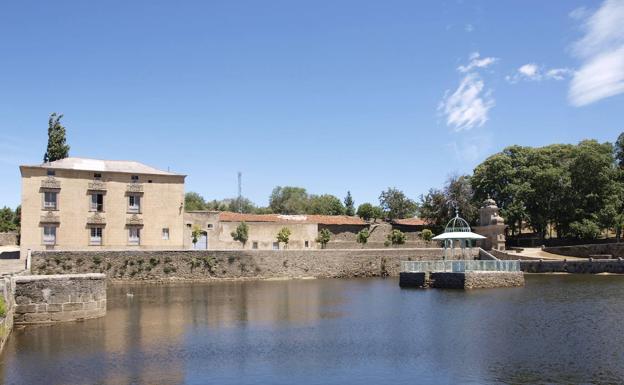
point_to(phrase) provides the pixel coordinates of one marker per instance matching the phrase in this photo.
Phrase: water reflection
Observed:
(559, 329)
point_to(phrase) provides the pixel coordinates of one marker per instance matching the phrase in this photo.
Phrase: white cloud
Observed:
(476, 61)
(468, 28)
(601, 50)
(469, 105)
(533, 72)
(529, 70)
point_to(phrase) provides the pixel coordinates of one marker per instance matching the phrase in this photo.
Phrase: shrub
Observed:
(2, 307)
(167, 270)
(362, 236)
(427, 235)
(397, 237)
(154, 261)
(386, 243)
(194, 262)
(284, 235)
(210, 263)
(97, 260)
(79, 261)
(168, 260)
(323, 237)
(585, 229)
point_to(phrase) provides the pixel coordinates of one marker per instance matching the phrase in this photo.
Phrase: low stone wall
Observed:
(477, 280)
(59, 298)
(509, 255)
(231, 264)
(595, 266)
(616, 250)
(345, 245)
(6, 319)
(8, 239)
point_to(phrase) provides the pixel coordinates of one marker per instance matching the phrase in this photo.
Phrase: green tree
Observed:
(619, 150)
(377, 213)
(459, 194)
(324, 236)
(196, 233)
(349, 205)
(324, 205)
(365, 211)
(194, 202)
(426, 235)
(263, 210)
(434, 209)
(57, 146)
(7, 220)
(241, 233)
(397, 237)
(396, 204)
(283, 236)
(241, 205)
(362, 236)
(288, 200)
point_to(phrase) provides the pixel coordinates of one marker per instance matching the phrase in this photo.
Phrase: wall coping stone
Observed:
(59, 277)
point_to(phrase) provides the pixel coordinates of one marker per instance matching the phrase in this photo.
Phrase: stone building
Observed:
(491, 226)
(216, 228)
(80, 204)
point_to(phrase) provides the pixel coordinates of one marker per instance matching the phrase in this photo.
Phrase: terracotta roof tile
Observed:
(409, 222)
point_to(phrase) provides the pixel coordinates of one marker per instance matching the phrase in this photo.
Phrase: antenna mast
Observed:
(240, 192)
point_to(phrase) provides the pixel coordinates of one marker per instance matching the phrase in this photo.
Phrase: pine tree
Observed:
(349, 204)
(57, 146)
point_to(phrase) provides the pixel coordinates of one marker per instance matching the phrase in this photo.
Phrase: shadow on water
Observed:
(558, 329)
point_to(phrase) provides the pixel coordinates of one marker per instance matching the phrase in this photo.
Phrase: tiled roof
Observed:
(409, 222)
(226, 216)
(86, 164)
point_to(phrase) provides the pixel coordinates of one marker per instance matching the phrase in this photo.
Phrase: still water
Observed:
(558, 329)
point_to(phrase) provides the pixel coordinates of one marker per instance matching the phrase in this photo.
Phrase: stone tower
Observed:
(491, 226)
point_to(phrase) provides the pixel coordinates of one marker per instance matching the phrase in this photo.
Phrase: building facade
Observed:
(78, 203)
(491, 226)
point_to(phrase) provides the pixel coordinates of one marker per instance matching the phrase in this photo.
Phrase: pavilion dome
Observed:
(457, 224)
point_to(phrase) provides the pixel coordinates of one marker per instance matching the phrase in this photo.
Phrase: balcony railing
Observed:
(51, 183)
(134, 188)
(97, 185)
(458, 266)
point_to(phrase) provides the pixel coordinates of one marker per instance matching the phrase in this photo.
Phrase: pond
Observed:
(560, 329)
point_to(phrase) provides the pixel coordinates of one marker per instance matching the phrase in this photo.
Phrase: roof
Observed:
(409, 222)
(458, 235)
(87, 164)
(226, 216)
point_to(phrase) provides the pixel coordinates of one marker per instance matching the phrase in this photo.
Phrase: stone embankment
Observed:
(615, 250)
(59, 298)
(231, 264)
(589, 266)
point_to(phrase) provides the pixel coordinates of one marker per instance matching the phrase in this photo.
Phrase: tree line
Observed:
(560, 190)
(290, 200)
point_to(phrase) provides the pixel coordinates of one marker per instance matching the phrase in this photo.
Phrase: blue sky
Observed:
(328, 95)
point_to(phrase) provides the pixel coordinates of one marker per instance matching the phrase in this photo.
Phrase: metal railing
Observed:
(458, 266)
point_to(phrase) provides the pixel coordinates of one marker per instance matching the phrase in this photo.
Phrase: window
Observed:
(134, 236)
(96, 236)
(165, 234)
(49, 200)
(188, 225)
(49, 235)
(209, 225)
(97, 176)
(307, 244)
(134, 178)
(275, 245)
(134, 204)
(97, 202)
(254, 245)
(149, 181)
(51, 173)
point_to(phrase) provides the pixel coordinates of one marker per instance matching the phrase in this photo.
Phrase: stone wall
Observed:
(8, 239)
(614, 249)
(6, 320)
(59, 298)
(509, 255)
(477, 280)
(230, 264)
(595, 266)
